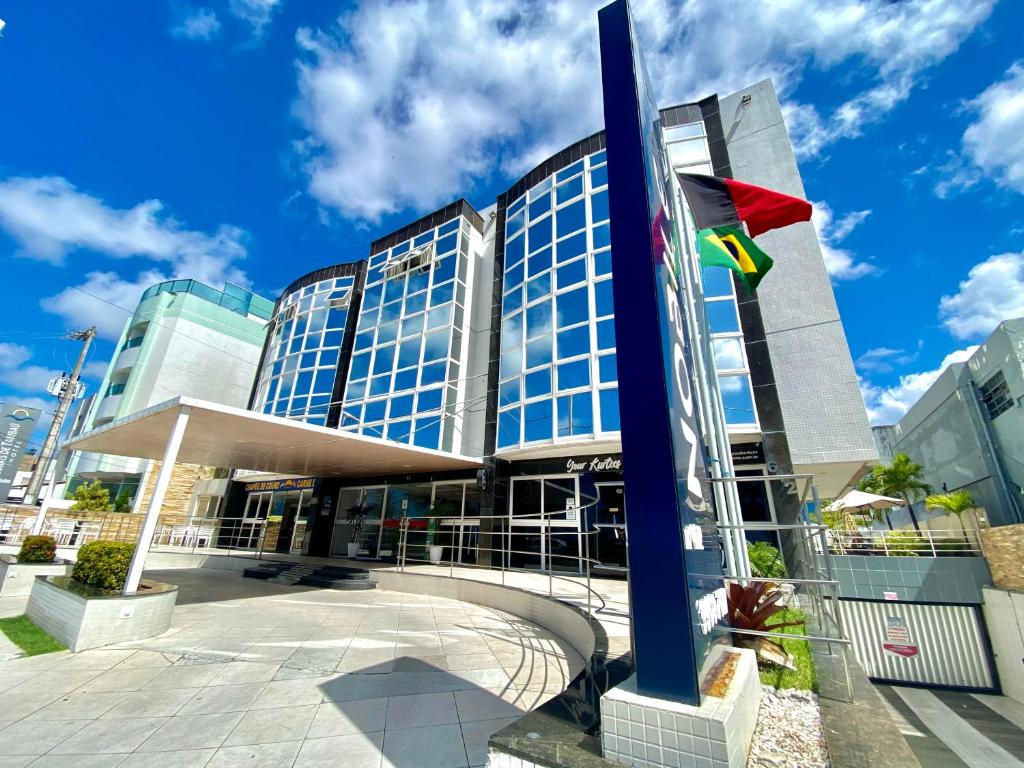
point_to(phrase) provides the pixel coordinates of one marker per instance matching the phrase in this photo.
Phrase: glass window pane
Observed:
(511, 363)
(737, 399)
(728, 354)
(572, 247)
(599, 206)
(406, 379)
(571, 218)
(436, 346)
(540, 261)
(717, 281)
(440, 294)
(568, 171)
(512, 331)
(571, 375)
(427, 433)
(514, 223)
(446, 244)
(572, 273)
(439, 316)
(432, 374)
(685, 152)
(540, 234)
(722, 316)
(387, 332)
(575, 415)
(515, 249)
(375, 410)
(400, 406)
(508, 428)
(539, 207)
(602, 239)
(324, 381)
(538, 319)
(444, 270)
(416, 303)
(603, 301)
(514, 277)
(412, 326)
(538, 383)
(607, 370)
(409, 353)
(538, 421)
(538, 287)
(538, 352)
(609, 409)
(360, 366)
(574, 342)
(508, 392)
(512, 301)
(602, 263)
(599, 176)
(688, 131)
(428, 400)
(380, 385)
(569, 190)
(398, 431)
(572, 307)
(393, 289)
(606, 334)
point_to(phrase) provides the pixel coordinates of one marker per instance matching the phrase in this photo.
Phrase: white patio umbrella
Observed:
(861, 501)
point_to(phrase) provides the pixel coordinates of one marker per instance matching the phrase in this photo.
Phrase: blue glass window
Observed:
(508, 392)
(572, 273)
(569, 190)
(332, 339)
(406, 379)
(538, 421)
(393, 289)
(398, 431)
(512, 331)
(603, 301)
(432, 374)
(716, 281)
(439, 316)
(324, 381)
(539, 207)
(538, 383)
(390, 312)
(540, 235)
(722, 316)
(737, 399)
(412, 326)
(602, 239)
(572, 247)
(574, 342)
(508, 428)
(572, 307)
(514, 223)
(409, 353)
(607, 370)
(599, 206)
(572, 375)
(602, 263)
(303, 382)
(371, 296)
(329, 357)
(307, 360)
(384, 360)
(511, 363)
(538, 287)
(444, 270)
(416, 303)
(599, 176)
(375, 410)
(428, 400)
(419, 280)
(609, 410)
(380, 385)
(606, 334)
(355, 390)
(440, 294)
(575, 415)
(447, 227)
(538, 352)
(515, 250)
(436, 346)
(538, 319)
(568, 171)
(512, 301)
(537, 263)
(446, 244)
(427, 432)
(400, 406)
(571, 218)
(360, 366)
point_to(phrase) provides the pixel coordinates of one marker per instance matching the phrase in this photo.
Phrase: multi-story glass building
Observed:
(492, 335)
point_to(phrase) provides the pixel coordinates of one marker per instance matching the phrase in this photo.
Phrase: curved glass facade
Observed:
(557, 374)
(301, 361)
(410, 344)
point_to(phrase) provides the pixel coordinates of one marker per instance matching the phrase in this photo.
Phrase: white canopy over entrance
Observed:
(199, 432)
(222, 436)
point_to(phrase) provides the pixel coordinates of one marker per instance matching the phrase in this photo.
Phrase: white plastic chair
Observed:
(62, 530)
(89, 531)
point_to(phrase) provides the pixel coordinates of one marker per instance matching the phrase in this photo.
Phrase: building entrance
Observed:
(610, 522)
(545, 523)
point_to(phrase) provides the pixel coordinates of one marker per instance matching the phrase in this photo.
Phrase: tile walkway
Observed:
(260, 675)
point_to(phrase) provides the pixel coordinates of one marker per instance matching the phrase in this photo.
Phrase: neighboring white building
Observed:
(185, 338)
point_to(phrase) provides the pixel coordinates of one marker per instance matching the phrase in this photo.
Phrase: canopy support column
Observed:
(156, 501)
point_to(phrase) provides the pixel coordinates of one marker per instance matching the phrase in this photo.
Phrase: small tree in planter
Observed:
(37, 549)
(356, 517)
(123, 502)
(442, 508)
(91, 497)
(104, 564)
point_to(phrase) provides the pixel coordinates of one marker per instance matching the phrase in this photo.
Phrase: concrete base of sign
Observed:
(643, 731)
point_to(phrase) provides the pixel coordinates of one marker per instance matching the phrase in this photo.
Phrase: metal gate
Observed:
(925, 643)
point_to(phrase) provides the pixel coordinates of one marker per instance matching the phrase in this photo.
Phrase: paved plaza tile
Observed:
(267, 675)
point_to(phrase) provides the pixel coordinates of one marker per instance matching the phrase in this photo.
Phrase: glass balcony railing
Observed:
(233, 298)
(135, 341)
(115, 389)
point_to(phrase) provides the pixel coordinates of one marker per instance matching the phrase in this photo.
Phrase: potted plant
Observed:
(356, 517)
(442, 508)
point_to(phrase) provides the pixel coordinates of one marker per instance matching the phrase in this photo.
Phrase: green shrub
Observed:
(37, 549)
(123, 502)
(765, 560)
(104, 564)
(91, 497)
(905, 544)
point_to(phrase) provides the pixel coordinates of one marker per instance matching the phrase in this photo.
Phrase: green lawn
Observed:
(27, 636)
(803, 678)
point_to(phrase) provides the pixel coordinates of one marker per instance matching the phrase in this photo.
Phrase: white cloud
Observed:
(884, 360)
(197, 24)
(995, 140)
(992, 292)
(256, 13)
(405, 102)
(50, 220)
(840, 262)
(16, 374)
(95, 369)
(886, 405)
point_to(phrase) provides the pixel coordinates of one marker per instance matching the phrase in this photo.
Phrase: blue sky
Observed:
(254, 140)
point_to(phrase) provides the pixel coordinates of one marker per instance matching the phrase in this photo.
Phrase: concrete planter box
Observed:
(82, 617)
(17, 578)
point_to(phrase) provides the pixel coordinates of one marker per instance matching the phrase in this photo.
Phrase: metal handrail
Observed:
(939, 543)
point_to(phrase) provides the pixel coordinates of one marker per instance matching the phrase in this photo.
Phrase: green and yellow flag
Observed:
(729, 247)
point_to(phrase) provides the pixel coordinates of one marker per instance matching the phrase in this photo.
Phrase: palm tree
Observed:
(953, 503)
(903, 479)
(872, 483)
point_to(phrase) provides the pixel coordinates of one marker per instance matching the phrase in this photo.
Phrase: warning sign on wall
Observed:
(897, 638)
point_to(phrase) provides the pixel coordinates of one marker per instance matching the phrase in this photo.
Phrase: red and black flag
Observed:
(717, 202)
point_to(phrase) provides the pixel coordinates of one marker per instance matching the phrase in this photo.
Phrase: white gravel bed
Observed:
(789, 733)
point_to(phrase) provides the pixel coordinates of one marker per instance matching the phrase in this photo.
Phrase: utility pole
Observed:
(67, 396)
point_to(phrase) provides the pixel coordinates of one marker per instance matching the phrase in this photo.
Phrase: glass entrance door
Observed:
(257, 507)
(610, 522)
(545, 523)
